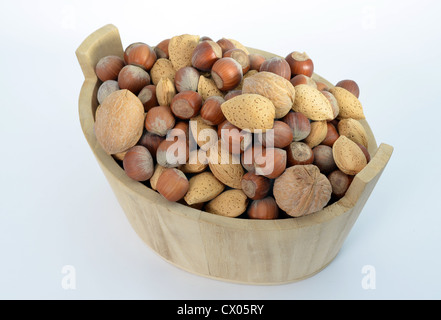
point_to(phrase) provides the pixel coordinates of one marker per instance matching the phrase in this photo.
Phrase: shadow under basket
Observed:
(231, 249)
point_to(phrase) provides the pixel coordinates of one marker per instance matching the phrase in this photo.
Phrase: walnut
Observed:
(302, 190)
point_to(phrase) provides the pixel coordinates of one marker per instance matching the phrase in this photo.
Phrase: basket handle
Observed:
(104, 41)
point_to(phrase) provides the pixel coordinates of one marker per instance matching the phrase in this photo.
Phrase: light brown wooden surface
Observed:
(237, 250)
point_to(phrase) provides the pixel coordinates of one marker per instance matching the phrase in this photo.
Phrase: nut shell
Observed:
(348, 156)
(349, 105)
(250, 111)
(274, 87)
(302, 190)
(312, 103)
(230, 203)
(163, 68)
(203, 187)
(180, 50)
(119, 121)
(354, 130)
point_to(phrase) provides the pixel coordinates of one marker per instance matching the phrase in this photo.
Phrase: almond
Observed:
(250, 111)
(225, 166)
(163, 68)
(165, 91)
(319, 129)
(312, 103)
(156, 174)
(119, 121)
(203, 187)
(204, 134)
(354, 130)
(180, 50)
(349, 105)
(348, 156)
(194, 164)
(230, 203)
(207, 88)
(276, 88)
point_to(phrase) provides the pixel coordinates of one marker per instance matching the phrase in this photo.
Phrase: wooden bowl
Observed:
(231, 249)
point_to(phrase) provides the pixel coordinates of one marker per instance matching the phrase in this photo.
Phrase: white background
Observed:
(57, 209)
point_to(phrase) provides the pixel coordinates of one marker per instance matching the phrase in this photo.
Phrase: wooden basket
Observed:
(237, 250)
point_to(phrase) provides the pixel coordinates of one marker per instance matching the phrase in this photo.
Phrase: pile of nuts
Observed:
(215, 127)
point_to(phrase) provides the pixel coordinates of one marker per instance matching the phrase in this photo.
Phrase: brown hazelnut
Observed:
(187, 78)
(351, 86)
(278, 66)
(172, 184)
(232, 93)
(141, 55)
(151, 141)
(159, 120)
(148, 97)
(241, 57)
(255, 186)
(186, 104)
(161, 49)
(211, 111)
(300, 63)
(256, 61)
(106, 88)
(129, 47)
(299, 153)
(138, 163)
(324, 159)
(321, 86)
(340, 183)
(264, 209)
(205, 55)
(302, 79)
(226, 73)
(331, 135)
(299, 124)
(109, 67)
(271, 163)
(225, 45)
(133, 78)
(282, 135)
(173, 153)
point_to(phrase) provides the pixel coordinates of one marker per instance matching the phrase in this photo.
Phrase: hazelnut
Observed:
(205, 55)
(331, 135)
(133, 78)
(340, 183)
(324, 159)
(299, 124)
(351, 86)
(161, 49)
(129, 47)
(302, 79)
(241, 57)
(141, 55)
(255, 186)
(333, 101)
(109, 67)
(151, 141)
(211, 111)
(256, 61)
(299, 153)
(232, 93)
(235, 139)
(321, 86)
(281, 135)
(172, 184)
(187, 78)
(225, 45)
(300, 63)
(148, 97)
(186, 104)
(159, 120)
(173, 153)
(278, 66)
(106, 88)
(226, 73)
(138, 163)
(271, 163)
(264, 209)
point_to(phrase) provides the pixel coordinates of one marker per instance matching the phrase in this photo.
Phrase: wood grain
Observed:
(237, 250)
